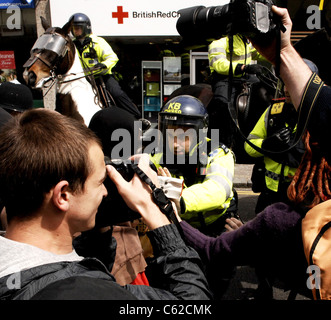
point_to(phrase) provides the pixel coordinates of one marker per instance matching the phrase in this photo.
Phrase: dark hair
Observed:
(38, 149)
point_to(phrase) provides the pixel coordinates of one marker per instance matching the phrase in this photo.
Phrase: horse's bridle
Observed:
(58, 44)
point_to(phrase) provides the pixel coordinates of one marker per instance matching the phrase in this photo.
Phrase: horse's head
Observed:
(52, 54)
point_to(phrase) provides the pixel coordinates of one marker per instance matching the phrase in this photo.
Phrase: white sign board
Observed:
(127, 17)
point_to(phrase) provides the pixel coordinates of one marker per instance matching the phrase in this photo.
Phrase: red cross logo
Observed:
(120, 14)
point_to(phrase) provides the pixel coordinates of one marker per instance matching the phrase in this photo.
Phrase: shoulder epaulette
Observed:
(225, 148)
(277, 108)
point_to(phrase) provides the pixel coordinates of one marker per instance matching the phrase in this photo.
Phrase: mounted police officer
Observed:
(95, 52)
(275, 131)
(208, 197)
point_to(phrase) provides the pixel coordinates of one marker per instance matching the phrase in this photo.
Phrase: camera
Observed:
(113, 209)
(251, 18)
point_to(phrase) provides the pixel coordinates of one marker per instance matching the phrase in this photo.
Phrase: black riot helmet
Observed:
(81, 19)
(182, 111)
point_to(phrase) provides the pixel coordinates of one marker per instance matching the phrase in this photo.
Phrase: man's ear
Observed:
(61, 195)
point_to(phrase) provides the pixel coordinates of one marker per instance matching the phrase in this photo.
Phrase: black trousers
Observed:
(121, 99)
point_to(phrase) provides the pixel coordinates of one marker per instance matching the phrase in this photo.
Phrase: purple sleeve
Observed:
(273, 231)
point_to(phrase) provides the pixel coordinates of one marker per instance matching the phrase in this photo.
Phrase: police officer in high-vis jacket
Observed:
(275, 131)
(242, 56)
(95, 52)
(207, 170)
(231, 69)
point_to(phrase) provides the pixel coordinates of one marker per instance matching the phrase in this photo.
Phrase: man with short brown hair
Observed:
(52, 171)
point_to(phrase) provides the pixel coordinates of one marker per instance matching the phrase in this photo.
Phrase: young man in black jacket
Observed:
(52, 171)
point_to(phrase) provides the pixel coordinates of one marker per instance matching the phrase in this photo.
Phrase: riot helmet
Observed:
(186, 117)
(184, 110)
(82, 20)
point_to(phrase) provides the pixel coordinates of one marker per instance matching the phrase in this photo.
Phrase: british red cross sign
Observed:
(7, 60)
(128, 17)
(120, 15)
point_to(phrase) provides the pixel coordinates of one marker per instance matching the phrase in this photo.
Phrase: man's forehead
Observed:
(96, 155)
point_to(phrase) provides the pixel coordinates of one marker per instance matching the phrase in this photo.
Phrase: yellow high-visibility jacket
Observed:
(273, 168)
(213, 195)
(219, 55)
(98, 51)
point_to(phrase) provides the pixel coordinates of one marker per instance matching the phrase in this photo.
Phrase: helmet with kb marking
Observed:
(184, 110)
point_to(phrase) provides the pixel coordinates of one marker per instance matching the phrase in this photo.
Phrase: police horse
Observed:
(55, 61)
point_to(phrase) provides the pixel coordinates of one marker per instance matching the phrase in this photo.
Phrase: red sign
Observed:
(7, 60)
(120, 15)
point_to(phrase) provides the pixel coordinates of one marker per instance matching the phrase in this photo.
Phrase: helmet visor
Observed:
(180, 135)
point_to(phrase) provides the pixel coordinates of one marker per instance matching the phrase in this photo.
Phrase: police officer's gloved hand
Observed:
(278, 141)
(253, 69)
(100, 66)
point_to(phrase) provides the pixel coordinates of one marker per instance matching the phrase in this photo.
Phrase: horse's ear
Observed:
(44, 23)
(67, 27)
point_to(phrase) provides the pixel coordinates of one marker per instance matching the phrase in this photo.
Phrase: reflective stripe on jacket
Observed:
(219, 54)
(104, 54)
(213, 195)
(273, 168)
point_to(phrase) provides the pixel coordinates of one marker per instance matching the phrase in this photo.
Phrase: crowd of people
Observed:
(65, 237)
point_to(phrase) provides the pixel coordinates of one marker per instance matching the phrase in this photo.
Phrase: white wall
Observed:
(140, 21)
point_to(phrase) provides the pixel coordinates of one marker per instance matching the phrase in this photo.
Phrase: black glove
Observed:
(278, 141)
(253, 69)
(100, 66)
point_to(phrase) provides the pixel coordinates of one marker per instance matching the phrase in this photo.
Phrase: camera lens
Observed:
(200, 24)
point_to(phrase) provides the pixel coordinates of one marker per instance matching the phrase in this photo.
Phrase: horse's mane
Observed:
(67, 106)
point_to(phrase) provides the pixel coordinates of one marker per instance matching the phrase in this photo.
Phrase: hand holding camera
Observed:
(269, 51)
(137, 194)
